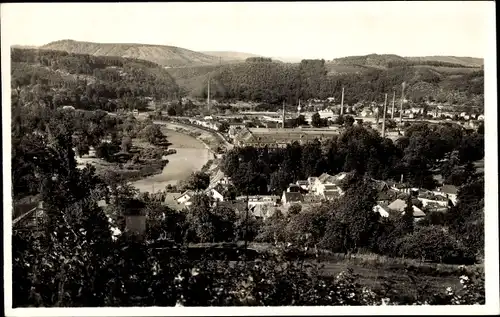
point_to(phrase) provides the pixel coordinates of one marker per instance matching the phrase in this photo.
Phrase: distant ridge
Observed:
(230, 55)
(170, 56)
(466, 61)
(387, 60)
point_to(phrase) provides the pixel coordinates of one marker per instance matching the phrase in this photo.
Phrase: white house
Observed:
(215, 193)
(303, 184)
(399, 205)
(448, 191)
(382, 209)
(290, 197)
(429, 198)
(185, 198)
(480, 117)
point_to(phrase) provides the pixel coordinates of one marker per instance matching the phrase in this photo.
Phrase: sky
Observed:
(282, 29)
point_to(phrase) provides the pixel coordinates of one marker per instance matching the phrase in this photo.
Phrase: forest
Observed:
(271, 82)
(88, 82)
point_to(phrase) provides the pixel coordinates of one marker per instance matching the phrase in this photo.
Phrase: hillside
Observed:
(229, 56)
(170, 56)
(272, 82)
(465, 61)
(89, 82)
(372, 60)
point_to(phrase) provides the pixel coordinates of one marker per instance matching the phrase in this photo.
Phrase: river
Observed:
(191, 155)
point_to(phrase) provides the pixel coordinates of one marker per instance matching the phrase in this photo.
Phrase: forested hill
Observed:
(273, 82)
(170, 56)
(88, 82)
(391, 60)
(465, 61)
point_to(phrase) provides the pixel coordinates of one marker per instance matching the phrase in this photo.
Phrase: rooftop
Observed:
(293, 197)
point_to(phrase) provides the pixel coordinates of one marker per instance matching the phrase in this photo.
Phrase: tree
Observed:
(171, 111)
(224, 127)
(348, 121)
(126, 144)
(354, 221)
(294, 209)
(406, 222)
(316, 120)
(152, 133)
(197, 181)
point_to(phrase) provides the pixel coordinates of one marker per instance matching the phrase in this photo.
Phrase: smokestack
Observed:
(393, 103)
(383, 120)
(342, 103)
(208, 93)
(402, 100)
(283, 119)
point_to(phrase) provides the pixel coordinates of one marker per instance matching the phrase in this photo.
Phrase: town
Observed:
(156, 175)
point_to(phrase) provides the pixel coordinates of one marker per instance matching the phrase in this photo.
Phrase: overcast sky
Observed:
(294, 29)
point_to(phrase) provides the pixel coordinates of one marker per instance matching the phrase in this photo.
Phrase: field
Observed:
(374, 270)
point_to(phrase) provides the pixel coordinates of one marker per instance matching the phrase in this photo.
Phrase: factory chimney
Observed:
(393, 103)
(383, 118)
(402, 100)
(342, 103)
(208, 94)
(283, 118)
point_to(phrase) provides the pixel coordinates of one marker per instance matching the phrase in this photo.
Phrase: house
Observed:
(303, 184)
(386, 197)
(135, 216)
(366, 112)
(268, 200)
(216, 193)
(185, 198)
(290, 198)
(480, 117)
(331, 194)
(402, 187)
(399, 205)
(293, 188)
(326, 182)
(382, 209)
(448, 191)
(430, 199)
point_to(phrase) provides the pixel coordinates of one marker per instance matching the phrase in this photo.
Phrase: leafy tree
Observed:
(224, 127)
(348, 120)
(316, 120)
(197, 181)
(126, 144)
(294, 209)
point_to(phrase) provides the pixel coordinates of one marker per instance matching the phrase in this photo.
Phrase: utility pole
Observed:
(342, 103)
(402, 100)
(393, 103)
(383, 118)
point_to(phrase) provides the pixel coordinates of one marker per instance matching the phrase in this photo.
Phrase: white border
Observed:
(491, 220)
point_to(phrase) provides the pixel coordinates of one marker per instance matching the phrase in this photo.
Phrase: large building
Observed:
(260, 137)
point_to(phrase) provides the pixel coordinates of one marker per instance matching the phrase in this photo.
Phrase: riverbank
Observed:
(192, 154)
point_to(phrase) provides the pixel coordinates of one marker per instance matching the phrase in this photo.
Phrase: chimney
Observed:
(342, 103)
(383, 119)
(402, 100)
(283, 118)
(208, 93)
(393, 103)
